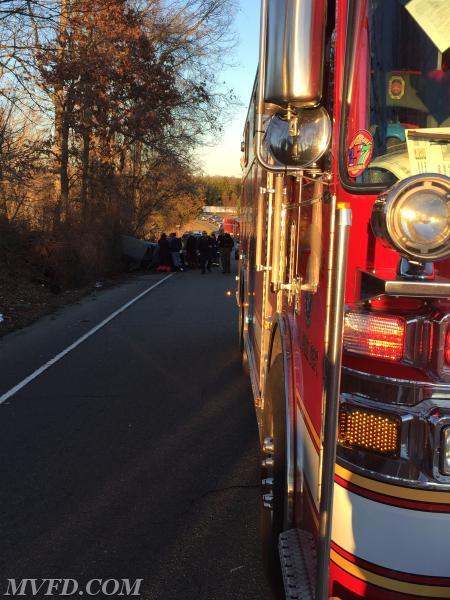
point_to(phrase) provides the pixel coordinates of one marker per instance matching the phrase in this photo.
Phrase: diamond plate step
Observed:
(298, 564)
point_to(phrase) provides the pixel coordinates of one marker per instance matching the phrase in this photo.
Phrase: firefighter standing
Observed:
(191, 251)
(175, 248)
(214, 250)
(225, 243)
(204, 246)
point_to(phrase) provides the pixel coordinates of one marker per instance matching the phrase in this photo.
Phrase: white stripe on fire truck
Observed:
(400, 539)
(307, 457)
(308, 421)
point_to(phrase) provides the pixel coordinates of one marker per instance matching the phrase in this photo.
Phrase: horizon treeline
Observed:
(221, 190)
(102, 106)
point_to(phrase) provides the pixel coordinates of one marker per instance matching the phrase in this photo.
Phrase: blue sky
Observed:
(223, 159)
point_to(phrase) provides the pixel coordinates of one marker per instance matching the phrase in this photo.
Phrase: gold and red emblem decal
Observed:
(359, 152)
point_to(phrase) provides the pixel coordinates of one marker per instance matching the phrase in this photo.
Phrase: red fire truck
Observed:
(231, 226)
(343, 293)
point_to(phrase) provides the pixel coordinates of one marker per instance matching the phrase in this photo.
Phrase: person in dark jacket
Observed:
(165, 257)
(204, 246)
(191, 251)
(225, 243)
(175, 247)
(214, 251)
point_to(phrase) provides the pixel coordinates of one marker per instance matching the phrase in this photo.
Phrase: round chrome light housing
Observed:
(413, 217)
(300, 141)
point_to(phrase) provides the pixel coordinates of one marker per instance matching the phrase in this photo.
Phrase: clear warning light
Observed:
(377, 336)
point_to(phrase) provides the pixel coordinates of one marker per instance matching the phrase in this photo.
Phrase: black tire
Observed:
(273, 521)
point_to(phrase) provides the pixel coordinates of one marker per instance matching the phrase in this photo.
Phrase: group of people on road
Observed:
(192, 251)
(170, 253)
(210, 248)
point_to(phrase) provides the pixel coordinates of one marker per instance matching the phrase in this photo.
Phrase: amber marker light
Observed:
(228, 292)
(377, 336)
(376, 432)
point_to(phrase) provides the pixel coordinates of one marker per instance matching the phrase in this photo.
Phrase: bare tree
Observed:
(102, 105)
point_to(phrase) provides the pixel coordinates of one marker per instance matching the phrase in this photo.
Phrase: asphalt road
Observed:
(136, 455)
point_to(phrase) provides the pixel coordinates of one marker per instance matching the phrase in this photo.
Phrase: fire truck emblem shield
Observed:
(359, 152)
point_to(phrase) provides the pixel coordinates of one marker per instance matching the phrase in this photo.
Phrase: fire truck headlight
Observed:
(413, 217)
(446, 451)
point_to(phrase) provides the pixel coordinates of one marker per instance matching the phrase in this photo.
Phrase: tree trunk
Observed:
(85, 171)
(61, 141)
(3, 205)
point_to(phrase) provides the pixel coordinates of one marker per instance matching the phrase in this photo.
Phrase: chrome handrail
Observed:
(332, 379)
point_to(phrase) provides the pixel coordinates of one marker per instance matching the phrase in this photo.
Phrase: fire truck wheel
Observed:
(274, 469)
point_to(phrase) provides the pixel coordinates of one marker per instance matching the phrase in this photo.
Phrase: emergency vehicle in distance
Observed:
(231, 226)
(343, 293)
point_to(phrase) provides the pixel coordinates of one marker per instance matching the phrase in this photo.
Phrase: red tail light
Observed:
(377, 336)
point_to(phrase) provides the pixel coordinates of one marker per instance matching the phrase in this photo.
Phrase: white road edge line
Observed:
(79, 341)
